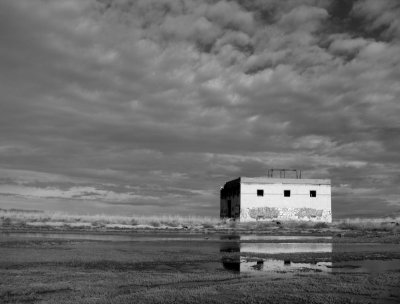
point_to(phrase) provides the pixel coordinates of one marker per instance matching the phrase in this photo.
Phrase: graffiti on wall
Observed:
(263, 213)
(308, 212)
(271, 213)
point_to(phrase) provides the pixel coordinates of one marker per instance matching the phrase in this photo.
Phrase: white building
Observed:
(267, 198)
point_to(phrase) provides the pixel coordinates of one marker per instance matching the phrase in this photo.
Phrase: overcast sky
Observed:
(149, 106)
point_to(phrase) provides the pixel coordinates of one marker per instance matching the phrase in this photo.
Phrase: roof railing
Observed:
(282, 172)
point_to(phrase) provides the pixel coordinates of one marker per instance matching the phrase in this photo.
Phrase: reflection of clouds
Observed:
(271, 265)
(249, 262)
(242, 257)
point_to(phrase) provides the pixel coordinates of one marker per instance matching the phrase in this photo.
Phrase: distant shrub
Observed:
(98, 224)
(232, 224)
(134, 222)
(303, 224)
(208, 225)
(265, 224)
(347, 226)
(296, 224)
(364, 224)
(6, 222)
(321, 225)
(247, 225)
(173, 223)
(155, 223)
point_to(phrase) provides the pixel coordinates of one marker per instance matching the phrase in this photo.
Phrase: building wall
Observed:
(230, 193)
(274, 206)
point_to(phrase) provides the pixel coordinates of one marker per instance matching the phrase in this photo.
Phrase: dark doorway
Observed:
(229, 208)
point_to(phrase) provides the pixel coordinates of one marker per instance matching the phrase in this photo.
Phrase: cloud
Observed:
(381, 16)
(161, 102)
(303, 18)
(348, 45)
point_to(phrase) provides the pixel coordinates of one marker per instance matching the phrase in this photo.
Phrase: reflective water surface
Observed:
(261, 266)
(246, 253)
(250, 265)
(251, 261)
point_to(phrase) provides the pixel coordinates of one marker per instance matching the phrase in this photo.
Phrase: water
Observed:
(251, 261)
(250, 265)
(246, 253)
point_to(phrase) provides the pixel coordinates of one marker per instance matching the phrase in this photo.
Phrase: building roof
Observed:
(270, 180)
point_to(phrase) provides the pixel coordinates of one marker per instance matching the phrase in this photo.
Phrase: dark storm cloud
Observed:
(152, 105)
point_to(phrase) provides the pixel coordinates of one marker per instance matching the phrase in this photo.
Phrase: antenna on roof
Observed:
(282, 172)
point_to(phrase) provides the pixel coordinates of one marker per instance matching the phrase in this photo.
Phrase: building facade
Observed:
(266, 198)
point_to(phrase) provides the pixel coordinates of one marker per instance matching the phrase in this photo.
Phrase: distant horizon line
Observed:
(394, 215)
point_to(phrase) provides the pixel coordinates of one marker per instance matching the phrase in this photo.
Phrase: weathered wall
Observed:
(274, 206)
(230, 192)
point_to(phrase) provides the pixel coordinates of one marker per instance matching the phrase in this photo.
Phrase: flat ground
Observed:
(189, 268)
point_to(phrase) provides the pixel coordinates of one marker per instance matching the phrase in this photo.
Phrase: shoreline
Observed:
(336, 236)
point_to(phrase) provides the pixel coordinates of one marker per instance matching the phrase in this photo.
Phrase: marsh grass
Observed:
(366, 224)
(21, 218)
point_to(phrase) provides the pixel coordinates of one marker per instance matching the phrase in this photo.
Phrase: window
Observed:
(286, 193)
(260, 192)
(313, 193)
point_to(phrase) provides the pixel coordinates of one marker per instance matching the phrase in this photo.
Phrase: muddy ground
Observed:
(192, 268)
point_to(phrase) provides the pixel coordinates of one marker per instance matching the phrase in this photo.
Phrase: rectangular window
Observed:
(260, 192)
(286, 193)
(313, 193)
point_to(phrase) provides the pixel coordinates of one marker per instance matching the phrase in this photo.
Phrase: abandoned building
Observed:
(277, 198)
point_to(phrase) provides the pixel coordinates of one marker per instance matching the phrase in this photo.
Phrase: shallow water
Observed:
(241, 253)
(250, 260)
(249, 265)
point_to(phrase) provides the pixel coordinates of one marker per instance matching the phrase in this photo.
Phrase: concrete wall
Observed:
(274, 206)
(230, 193)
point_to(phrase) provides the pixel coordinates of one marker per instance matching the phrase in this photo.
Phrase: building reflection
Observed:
(240, 255)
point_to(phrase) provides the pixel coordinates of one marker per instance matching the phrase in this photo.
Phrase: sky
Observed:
(148, 107)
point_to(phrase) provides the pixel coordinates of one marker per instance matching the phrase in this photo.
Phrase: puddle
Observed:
(369, 266)
(249, 250)
(249, 265)
(274, 248)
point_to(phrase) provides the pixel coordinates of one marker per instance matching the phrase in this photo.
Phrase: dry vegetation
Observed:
(60, 220)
